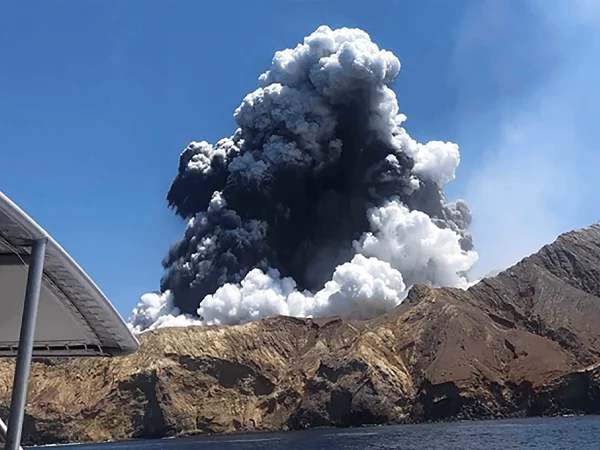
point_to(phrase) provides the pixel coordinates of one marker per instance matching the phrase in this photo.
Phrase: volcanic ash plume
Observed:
(319, 204)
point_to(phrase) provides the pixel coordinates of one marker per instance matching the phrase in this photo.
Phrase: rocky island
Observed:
(522, 343)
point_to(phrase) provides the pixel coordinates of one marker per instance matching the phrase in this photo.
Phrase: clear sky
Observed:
(98, 98)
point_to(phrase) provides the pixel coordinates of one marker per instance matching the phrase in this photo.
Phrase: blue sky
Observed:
(98, 98)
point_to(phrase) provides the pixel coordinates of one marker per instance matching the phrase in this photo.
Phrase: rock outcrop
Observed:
(525, 342)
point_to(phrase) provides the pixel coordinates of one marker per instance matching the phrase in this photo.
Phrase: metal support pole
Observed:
(3, 432)
(25, 349)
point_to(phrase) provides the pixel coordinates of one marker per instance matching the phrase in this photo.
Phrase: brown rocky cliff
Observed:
(521, 343)
(216, 379)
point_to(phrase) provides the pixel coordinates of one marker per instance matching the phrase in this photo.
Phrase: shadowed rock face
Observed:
(525, 342)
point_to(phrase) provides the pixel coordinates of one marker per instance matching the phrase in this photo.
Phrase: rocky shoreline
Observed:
(523, 343)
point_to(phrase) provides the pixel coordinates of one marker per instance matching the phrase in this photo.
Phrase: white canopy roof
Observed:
(74, 316)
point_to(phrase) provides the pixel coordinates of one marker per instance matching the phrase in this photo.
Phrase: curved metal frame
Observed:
(49, 263)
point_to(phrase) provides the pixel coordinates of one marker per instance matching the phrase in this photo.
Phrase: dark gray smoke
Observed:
(319, 172)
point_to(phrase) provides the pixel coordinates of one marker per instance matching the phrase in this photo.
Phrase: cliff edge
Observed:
(525, 342)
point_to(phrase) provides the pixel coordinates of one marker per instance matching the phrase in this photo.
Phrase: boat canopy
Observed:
(49, 307)
(74, 317)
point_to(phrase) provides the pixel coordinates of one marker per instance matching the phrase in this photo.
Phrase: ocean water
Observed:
(563, 433)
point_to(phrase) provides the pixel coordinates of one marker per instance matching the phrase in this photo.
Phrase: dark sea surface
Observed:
(580, 433)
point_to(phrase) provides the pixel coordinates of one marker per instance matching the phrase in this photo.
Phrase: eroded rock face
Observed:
(525, 342)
